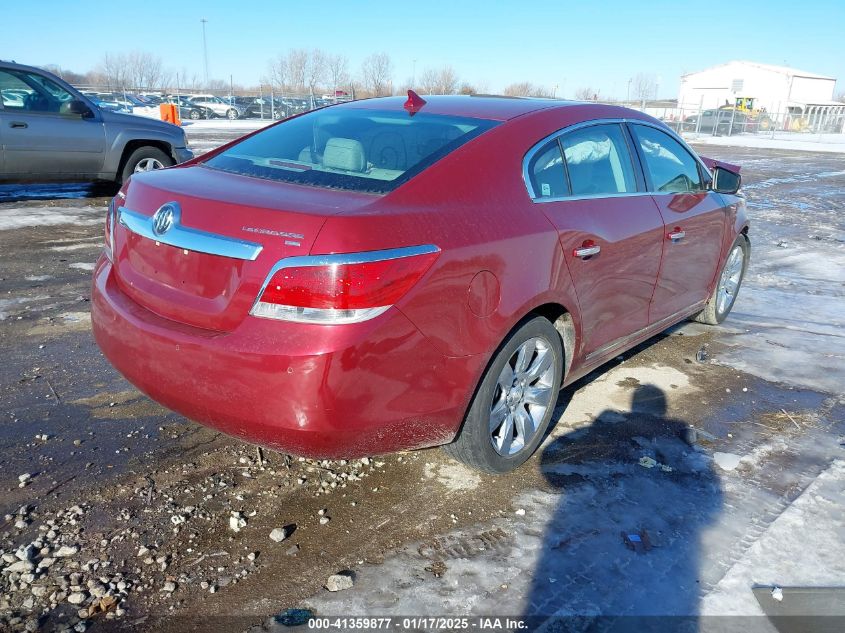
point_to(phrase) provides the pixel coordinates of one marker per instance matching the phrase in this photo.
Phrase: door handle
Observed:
(676, 234)
(587, 249)
(18, 124)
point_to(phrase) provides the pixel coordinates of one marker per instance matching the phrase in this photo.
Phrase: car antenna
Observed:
(414, 103)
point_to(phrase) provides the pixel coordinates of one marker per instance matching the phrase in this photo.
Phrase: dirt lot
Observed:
(142, 520)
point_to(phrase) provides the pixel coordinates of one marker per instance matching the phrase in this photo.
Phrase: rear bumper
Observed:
(321, 391)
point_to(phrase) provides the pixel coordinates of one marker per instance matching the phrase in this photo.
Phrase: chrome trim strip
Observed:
(187, 238)
(594, 196)
(343, 258)
(526, 177)
(656, 326)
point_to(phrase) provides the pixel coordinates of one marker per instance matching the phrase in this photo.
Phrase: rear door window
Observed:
(548, 176)
(669, 167)
(350, 148)
(598, 161)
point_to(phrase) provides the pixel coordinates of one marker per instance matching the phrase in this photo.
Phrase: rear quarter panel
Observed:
(474, 205)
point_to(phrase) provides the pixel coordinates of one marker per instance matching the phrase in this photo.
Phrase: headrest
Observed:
(344, 153)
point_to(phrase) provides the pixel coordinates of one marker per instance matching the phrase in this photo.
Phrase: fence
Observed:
(263, 103)
(814, 122)
(809, 122)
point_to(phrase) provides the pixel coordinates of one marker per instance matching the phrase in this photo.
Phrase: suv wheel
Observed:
(195, 114)
(513, 405)
(231, 114)
(143, 159)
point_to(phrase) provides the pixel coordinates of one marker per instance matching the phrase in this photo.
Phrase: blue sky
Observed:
(600, 44)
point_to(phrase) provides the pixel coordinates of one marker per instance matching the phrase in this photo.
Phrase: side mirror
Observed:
(77, 106)
(725, 181)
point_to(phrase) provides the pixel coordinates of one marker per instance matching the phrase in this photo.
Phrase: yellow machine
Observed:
(745, 104)
(755, 116)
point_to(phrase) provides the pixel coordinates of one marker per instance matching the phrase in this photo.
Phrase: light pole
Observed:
(414, 75)
(204, 51)
(628, 97)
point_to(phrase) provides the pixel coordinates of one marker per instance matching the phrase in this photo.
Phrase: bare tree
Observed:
(298, 69)
(338, 70)
(113, 69)
(526, 89)
(315, 70)
(467, 89)
(147, 69)
(428, 81)
(134, 70)
(441, 82)
(377, 74)
(586, 94)
(643, 86)
(278, 75)
(68, 75)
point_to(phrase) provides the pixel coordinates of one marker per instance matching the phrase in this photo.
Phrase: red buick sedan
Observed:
(387, 274)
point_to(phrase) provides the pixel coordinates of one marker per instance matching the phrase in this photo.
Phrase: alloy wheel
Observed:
(148, 164)
(522, 396)
(730, 279)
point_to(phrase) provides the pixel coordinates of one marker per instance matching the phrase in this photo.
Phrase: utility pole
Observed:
(414, 76)
(204, 51)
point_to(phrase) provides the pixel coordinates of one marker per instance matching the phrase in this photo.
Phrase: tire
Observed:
(722, 299)
(196, 115)
(490, 445)
(146, 158)
(231, 114)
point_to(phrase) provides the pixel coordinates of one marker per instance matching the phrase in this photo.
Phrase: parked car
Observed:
(262, 108)
(724, 122)
(152, 99)
(369, 277)
(188, 109)
(216, 106)
(105, 101)
(57, 133)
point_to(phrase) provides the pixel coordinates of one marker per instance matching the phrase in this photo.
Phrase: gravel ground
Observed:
(118, 514)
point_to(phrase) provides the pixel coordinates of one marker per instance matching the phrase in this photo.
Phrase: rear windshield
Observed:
(345, 148)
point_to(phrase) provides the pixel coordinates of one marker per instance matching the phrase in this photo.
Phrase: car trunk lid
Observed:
(205, 264)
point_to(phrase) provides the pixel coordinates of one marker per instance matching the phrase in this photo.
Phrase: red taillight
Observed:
(342, 288)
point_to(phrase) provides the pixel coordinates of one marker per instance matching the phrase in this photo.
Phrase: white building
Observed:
(775, 88)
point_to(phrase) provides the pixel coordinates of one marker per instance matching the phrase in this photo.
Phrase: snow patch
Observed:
(82, 266)
(452, 475)
(12, 218)
(726, 461)
(781, 556)
(74, 247)
(834, 143)
(6, 304)
(612, 392)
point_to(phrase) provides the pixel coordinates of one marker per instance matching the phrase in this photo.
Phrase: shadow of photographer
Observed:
(623, 548)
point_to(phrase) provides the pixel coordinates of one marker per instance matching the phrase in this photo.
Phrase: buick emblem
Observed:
(165, 218)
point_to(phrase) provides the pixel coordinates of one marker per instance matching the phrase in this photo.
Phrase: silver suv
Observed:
(49, 131)
(216, 106)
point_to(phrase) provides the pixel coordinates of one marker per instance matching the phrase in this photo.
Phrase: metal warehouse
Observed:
(763, 87)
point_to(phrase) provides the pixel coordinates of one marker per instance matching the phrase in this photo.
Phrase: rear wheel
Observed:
(143, 159)
(195, 114)
(724, 294)
(514, 402)
(232, 114)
